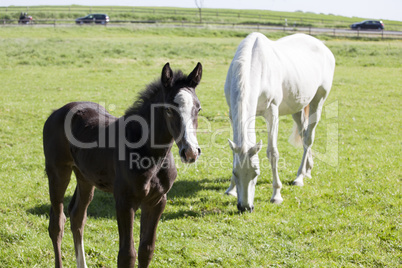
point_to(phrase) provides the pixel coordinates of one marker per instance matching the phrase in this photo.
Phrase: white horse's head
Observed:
(246, 169)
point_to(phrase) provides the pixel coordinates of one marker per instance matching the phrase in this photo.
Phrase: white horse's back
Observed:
(288, 71)
(308, 65)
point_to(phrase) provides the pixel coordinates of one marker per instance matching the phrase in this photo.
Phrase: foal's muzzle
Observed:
(190, 155)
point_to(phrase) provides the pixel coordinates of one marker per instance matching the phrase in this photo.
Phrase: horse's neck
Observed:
(243, 120)
(160, 133)
(159, 140)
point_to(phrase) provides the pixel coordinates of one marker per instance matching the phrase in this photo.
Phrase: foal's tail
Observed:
(295, 138)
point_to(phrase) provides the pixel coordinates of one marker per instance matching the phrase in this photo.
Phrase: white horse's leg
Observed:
(302, 124)
(315, 115)
(232, 188)
(272, 117)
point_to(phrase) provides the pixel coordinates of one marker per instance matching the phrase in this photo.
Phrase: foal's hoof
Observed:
(298, 183)
(276, 200)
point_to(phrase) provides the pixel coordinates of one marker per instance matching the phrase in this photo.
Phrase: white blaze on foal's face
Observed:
(187, 110)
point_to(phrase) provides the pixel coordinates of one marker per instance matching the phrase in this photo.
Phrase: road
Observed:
(313, 31)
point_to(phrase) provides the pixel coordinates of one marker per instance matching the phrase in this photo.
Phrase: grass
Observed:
(347, 215)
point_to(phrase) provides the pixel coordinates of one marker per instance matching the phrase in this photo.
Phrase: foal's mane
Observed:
(152, 94)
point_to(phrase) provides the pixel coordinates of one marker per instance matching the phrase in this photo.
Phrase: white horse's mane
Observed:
(241, 68)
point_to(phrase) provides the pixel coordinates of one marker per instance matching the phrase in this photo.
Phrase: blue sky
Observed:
(384, 9)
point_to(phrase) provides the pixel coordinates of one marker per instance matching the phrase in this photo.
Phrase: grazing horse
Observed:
(129, 156)
(271, 78)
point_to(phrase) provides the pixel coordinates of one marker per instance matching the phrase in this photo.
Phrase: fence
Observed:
(202, 15)
(211, 18)
(334, 32)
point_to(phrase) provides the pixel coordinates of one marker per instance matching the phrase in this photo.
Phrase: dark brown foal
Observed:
(129, 156)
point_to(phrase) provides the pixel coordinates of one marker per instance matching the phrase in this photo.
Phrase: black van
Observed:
(93, 18)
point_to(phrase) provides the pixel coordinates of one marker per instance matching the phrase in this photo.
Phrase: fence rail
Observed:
(334, 32)
(211, 15)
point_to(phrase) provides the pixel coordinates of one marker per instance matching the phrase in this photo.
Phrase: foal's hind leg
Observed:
(315, 115)
(78, 215)
(59, 178)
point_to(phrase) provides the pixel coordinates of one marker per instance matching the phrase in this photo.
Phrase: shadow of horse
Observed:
(103, 204)
(184, 189)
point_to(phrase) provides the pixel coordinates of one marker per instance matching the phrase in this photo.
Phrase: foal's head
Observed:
(181, 109)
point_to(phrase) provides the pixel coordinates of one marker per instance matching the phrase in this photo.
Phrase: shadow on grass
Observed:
(187, 189)
(230, 209)
(183, 188)
(103, 204)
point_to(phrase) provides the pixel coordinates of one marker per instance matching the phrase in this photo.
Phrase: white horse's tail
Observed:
(295, 138)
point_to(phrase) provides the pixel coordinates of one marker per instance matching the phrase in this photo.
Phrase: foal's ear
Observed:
(167, 76)
(194, 77)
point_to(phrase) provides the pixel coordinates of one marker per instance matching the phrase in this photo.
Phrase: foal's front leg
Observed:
(125, 210)
(150, 216)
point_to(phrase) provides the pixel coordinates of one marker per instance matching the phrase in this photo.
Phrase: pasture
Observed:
(347, 215)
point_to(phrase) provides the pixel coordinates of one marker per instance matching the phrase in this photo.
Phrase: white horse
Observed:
(271, 78)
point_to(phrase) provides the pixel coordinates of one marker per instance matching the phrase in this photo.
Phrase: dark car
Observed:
(368, 25)
(93, 18)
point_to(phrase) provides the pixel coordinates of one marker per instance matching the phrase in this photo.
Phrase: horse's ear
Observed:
(255, 149)
(194, 77)
(167, 76)
(233, 146)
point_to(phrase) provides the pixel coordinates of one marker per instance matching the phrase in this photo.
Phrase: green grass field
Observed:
(347, 215)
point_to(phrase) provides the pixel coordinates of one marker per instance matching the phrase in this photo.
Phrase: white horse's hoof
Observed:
(276, 200)
(231, 192)
(298, 183)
